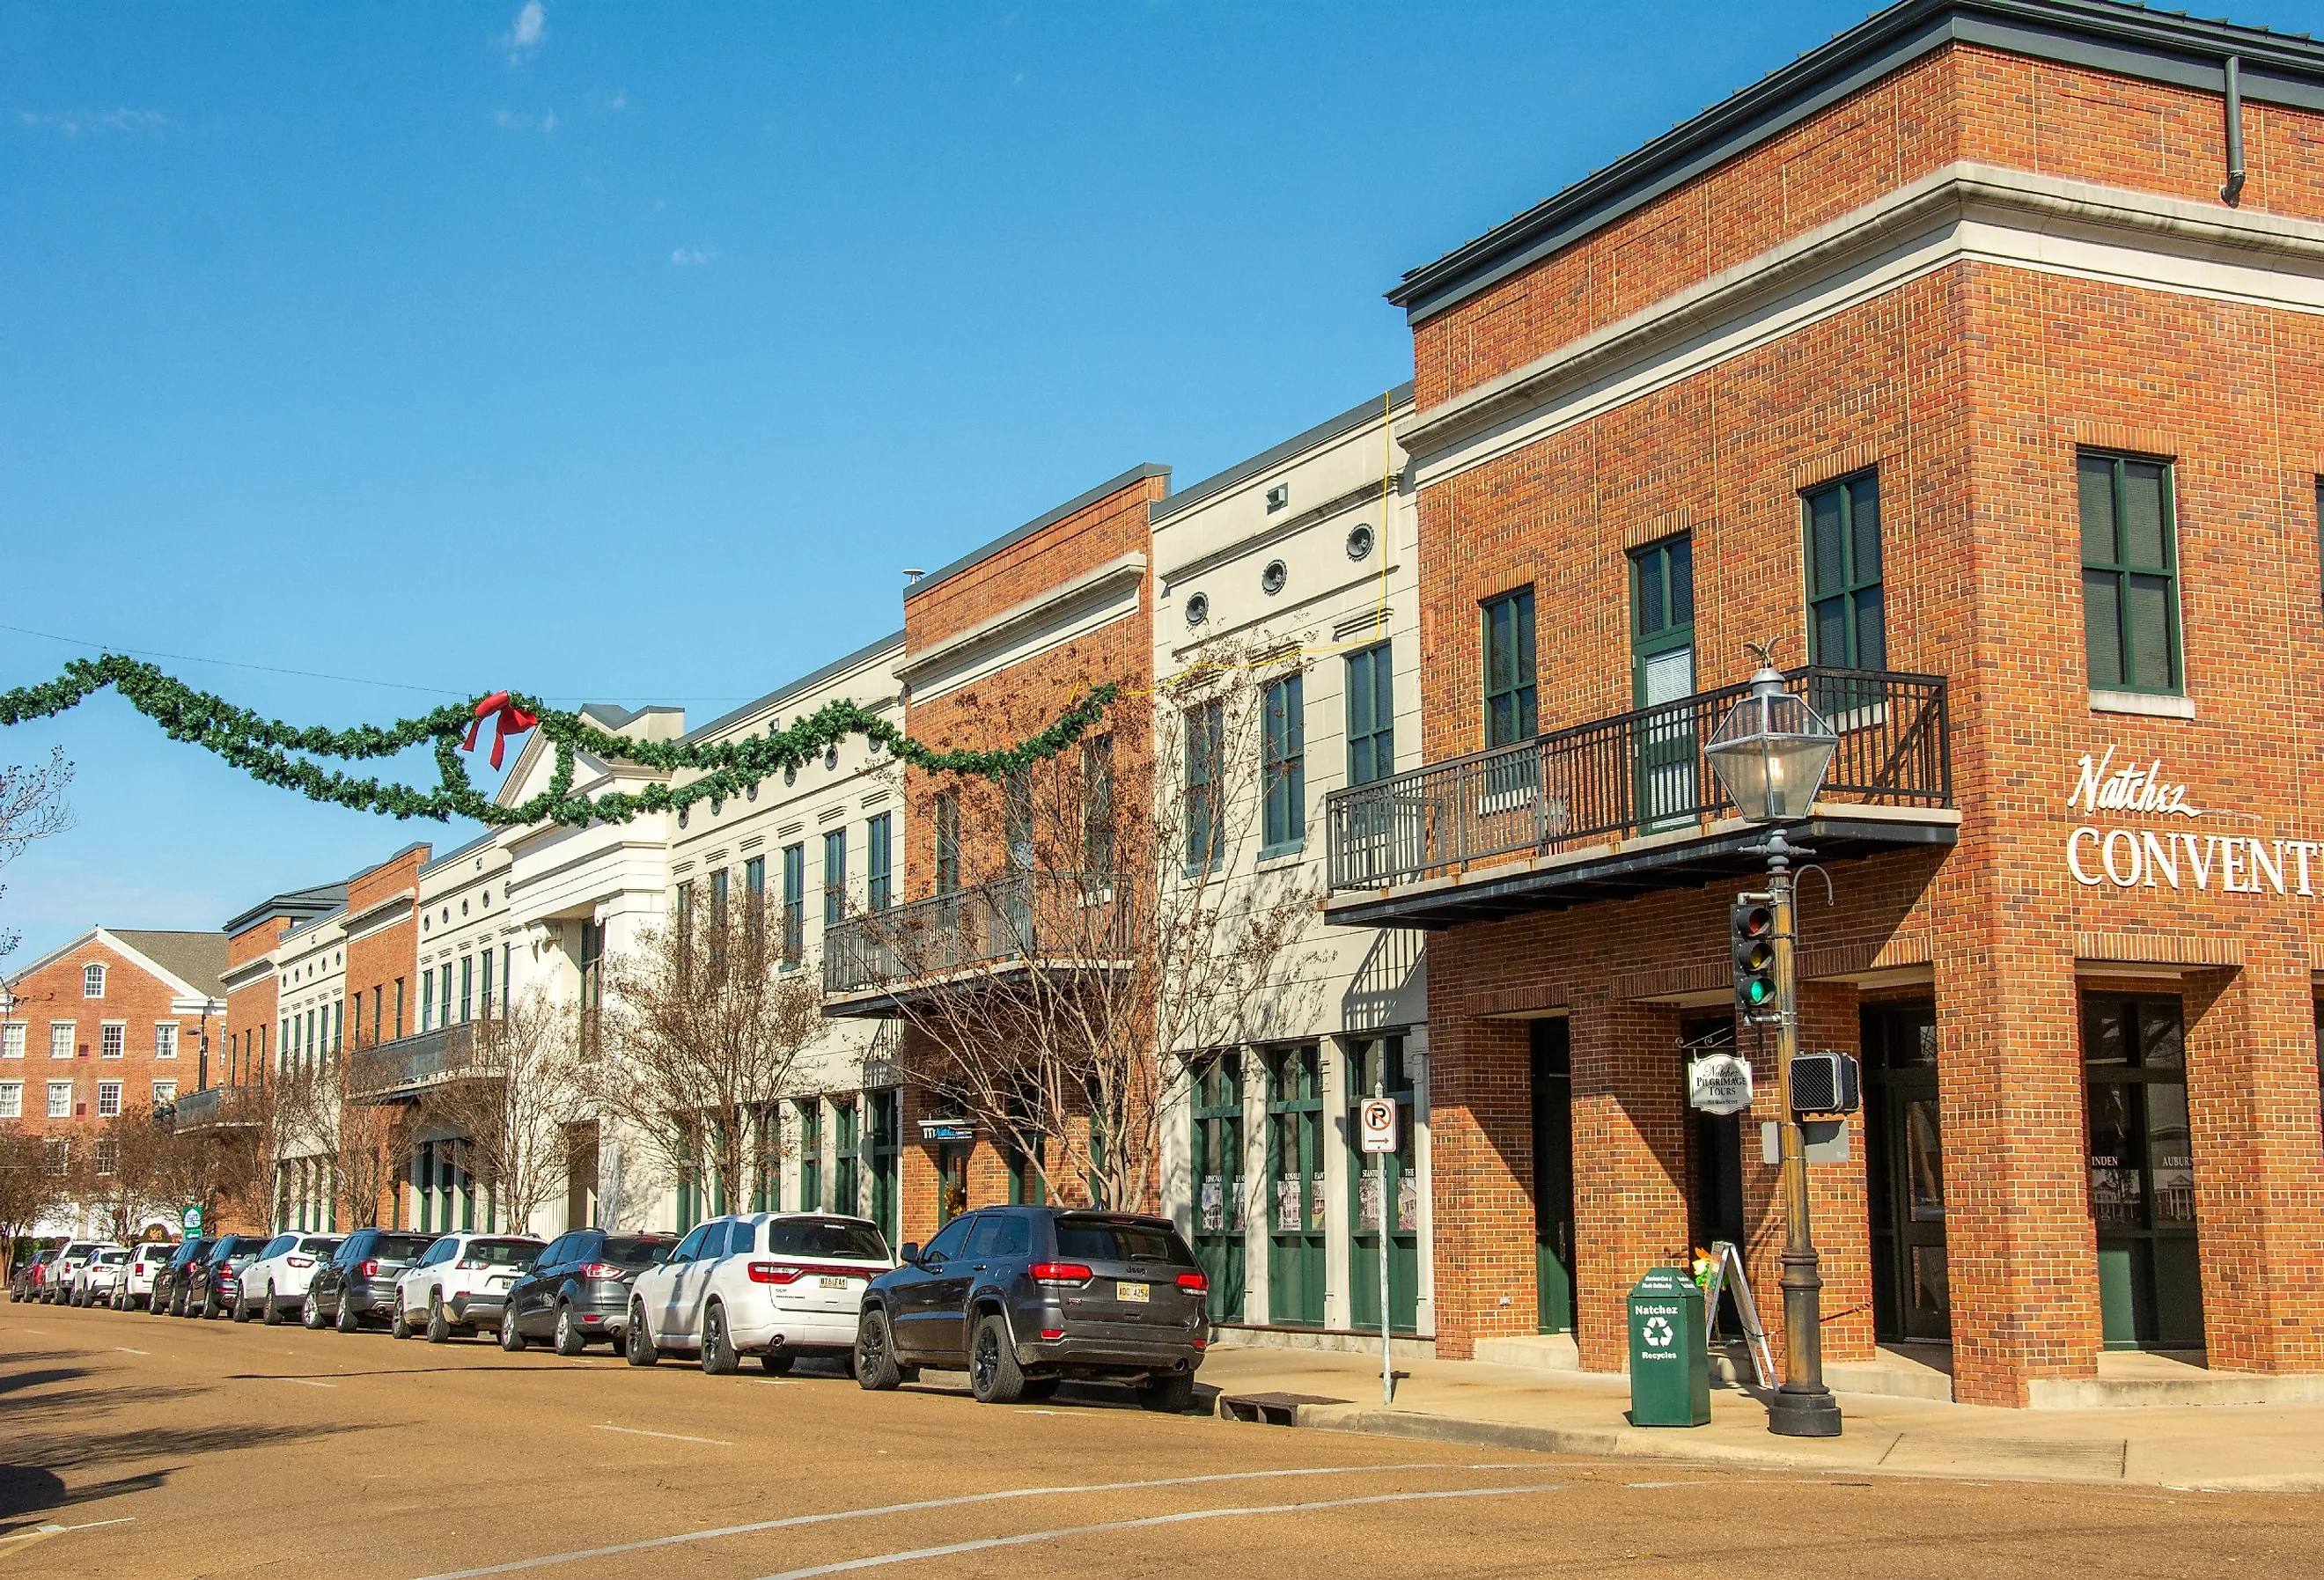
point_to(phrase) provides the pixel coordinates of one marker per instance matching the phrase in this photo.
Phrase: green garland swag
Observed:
(262, 748)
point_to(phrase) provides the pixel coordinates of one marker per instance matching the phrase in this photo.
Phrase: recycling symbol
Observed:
(1658, 1332)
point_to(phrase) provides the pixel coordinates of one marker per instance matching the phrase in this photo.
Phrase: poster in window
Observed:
(1286, 1206)
(1408, 1206)
(1368, 1202)
(1213, 1207)
(1315, 1201)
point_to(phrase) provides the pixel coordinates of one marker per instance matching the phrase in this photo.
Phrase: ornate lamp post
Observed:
(1771, 753)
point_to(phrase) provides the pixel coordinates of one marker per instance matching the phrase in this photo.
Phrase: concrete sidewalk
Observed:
(2256, 1447)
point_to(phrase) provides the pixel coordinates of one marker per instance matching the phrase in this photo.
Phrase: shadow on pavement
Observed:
(27, 1489)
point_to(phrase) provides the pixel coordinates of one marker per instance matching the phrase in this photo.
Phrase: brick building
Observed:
(1975, 357)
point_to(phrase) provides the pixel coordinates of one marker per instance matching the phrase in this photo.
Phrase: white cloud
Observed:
(75, 123)
(693, 257)
(527, 32)
(621, 100)
(517, 120)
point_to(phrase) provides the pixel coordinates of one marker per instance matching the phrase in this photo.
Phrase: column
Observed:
(1629, 1167)
(1338, 1222)
(1480, 1108)
(1415, 1059)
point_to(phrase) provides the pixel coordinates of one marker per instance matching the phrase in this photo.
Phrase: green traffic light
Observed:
(1759, 990)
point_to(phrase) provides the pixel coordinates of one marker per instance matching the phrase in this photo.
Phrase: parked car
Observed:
(358, 1285)
(56, 1279)
(775, 1285)
(578, 1291)
(275, 1281)
(212, 1285)
(1027, 1296)
(25, 1278)
(145, 1264)
(460, 1284)
(169, 1285)
(100, 1275)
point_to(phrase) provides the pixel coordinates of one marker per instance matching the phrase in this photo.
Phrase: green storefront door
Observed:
(1553, 1175)
(1382, 1062)
(1662, 670)
(1904, 1165)
(1218, 1181)
(1295, 1169)
(887, 1154)
(2142, 1172)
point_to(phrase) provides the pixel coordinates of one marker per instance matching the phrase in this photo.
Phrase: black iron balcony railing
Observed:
(1621, 777)
(214, 1108)
(410, 1066)
(1074, 920)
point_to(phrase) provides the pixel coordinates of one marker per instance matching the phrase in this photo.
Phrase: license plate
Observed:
(831, 1283)
(1133, 1294)
(502, 1283)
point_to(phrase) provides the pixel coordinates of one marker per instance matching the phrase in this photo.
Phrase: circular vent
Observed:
(831, 756)
(1271, 579)
(1198, 608)
(717, 805)
(751, 792)
(1359, 541)
(681, 817)
(790, 774)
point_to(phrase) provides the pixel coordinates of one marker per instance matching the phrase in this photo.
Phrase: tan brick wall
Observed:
(133, 996)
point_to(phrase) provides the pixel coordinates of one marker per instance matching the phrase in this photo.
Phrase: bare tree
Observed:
(31, 1188)
(511, 1103)
(374, 1150)
(1118, 917)
(135, 1166)
(704, 1025)
(31, 808)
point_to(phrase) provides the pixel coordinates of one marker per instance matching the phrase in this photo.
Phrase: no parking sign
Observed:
(1377, 1118)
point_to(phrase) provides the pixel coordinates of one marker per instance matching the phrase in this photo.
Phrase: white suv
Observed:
(461, 1282)
(100, 1275)
(777, 1285)
(274, 1285)
(135, 1290)
(57, 1283)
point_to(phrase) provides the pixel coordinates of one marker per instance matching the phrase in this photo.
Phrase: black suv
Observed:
(171, 1283)
(212, 1289)
(1028, 1296)
(359, 1280)
(578, 1291)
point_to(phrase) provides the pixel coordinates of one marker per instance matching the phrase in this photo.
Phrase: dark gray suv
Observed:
(1026, 1298)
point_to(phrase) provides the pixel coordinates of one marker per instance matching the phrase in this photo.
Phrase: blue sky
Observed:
(631, 353)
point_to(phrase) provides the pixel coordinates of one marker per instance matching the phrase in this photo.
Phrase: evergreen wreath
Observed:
(277, 753)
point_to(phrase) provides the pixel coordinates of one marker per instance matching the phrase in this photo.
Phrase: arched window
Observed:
(92, 982)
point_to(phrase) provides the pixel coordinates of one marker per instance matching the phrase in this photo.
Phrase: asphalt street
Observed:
(132, 1444)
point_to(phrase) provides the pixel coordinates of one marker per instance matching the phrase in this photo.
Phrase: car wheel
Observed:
(310, 1312)
(439, 1326)
(637, 1344)
(719, 1358)
(993, 1375)
(399, 1326)
(775, 1364)
(511, 1339)
(1173, 1395)
(209, 1307)
(270, 1309)
(570, 1339)
(876, 1370)
(347, 1321)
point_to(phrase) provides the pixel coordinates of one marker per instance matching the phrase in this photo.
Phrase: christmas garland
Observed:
(277, 753)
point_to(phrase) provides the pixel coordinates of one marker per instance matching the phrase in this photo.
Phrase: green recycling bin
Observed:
(1670, 1361)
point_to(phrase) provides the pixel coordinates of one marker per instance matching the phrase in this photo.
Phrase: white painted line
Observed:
(93, 1524)
(304, 1381)
(1237, 1512)
(1002, 1495)
(1040, 1412)
(125, 1350)
(671, 1437)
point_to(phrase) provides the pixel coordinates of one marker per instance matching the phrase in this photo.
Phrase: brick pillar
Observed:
(1481, 1139)
(1839, 1208)
(1630, 1166)
(916, 1166)
(2259, 1156)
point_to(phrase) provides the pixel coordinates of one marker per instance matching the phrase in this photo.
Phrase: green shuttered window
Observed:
(1846, 623)
(2130, 573)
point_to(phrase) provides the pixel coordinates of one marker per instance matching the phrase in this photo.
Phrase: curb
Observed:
(1625, 1443)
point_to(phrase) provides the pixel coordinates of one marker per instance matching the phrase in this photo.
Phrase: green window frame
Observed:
(794, 904)
(1206, 815)
(1283, 768)
(947, 830)
(1097, 804)
(1512, 701)
(845, 1152)
(2130, 572)
(877, 857)
(1372, 714)
(810, 1154)
(1847, 626)
(1662, 604)
(835, 877)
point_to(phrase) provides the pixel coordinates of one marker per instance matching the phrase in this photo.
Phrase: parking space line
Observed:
(1000, 1494)
(1233, 1511)
(671, 1437)
(125, 1350)
(304, 1381)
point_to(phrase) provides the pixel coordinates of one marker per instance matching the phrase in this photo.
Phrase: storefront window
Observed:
(2142, 1171)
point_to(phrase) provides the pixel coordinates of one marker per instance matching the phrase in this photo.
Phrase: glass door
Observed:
(1905, 1164)
(1218, 1181)
(1382, 1062)
(1662, 662)
(1294, 1168)
(2142, 1172)
(887, 1155)
(1553, 1175)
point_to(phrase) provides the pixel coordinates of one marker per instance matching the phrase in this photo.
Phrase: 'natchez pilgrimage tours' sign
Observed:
(2170, 857)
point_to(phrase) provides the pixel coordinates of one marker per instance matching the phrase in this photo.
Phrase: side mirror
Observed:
(911, 1254)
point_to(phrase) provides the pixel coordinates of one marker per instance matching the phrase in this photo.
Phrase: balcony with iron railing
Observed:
(402, 1070)
(1627, 805)
(987, 935)
(215, 1108)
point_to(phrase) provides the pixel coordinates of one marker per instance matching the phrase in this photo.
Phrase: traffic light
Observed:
(1751, 931)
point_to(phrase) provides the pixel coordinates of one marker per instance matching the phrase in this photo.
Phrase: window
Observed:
(109, 1155)
(877, 858)
(165, 1039)
(446, 978)
(1017, 817)
(11, 1039)
(11, 1099)
(835, 877)
(339, 1025)
(398, 1006)
(755, 893)
(1097, 804)
(592, 985)
(1206, 815)
(60, 1099)
(111, 1040)
(1511, 707)
(484, 1001)
(61, 1039)
(794, 902)
(2130, 573)
(164, 1093)
(92, 982)
(428, 1000)
(60, 1155)
(948, 841)
(810, 1154)
(1372, 715)
(467, 986)
(109, 1100)
(1282, 767)
(1846, 628)
(718, 882)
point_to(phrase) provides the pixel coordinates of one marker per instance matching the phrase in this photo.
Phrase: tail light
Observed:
(601, 1270)
(1070, 1273)
(1194, 1284)
(1052, 1332)
(369, 1270)
(784, 1273)
(471, 1264)
(301, 1261)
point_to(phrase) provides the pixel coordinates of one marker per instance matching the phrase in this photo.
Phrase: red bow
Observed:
(513, 721)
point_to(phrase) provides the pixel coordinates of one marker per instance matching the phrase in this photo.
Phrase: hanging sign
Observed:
(1377, 1119)
(1720, 1083)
